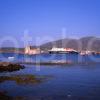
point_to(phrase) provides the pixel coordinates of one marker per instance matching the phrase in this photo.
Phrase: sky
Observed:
(45, 20)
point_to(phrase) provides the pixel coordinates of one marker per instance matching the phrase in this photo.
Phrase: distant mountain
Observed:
(12, 49)
(85, 43)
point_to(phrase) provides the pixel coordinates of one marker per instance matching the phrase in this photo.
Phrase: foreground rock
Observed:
(7, 66)
(4, 96)
(22, 79)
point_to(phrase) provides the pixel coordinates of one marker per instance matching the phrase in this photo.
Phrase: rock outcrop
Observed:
(7, 66)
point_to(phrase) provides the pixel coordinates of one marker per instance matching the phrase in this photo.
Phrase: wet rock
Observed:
(4, 96)
(7, 66)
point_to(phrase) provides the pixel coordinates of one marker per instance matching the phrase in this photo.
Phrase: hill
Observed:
(85, 43)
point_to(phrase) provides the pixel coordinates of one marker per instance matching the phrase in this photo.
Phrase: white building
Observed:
(87, 52)
(29, 50)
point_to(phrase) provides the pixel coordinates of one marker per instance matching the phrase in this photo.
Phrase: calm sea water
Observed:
(75, 82)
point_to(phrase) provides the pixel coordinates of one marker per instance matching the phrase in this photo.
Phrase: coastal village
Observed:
(31, 51)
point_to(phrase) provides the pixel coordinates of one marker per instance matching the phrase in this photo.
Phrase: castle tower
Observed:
(27, 50)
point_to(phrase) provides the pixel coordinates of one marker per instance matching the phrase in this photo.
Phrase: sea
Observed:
(52, 82)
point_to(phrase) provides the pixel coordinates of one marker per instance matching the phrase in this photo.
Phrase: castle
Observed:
(29, 50)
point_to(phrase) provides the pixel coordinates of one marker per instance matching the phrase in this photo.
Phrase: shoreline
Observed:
(59, 63)
(15, 66)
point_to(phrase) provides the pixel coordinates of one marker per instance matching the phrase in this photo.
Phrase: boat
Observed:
(11, 58)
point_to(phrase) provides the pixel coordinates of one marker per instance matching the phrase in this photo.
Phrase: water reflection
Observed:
(76, 82)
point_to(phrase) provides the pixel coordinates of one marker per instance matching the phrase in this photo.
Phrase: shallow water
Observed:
(62, 82)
